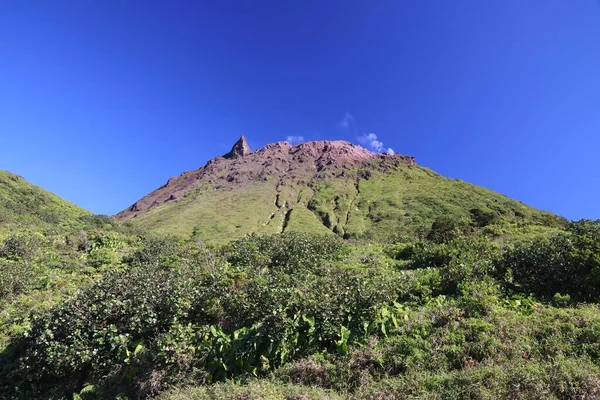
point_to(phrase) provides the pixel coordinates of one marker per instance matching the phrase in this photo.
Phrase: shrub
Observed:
(482, 218)
(104, 249)
(305, 309)
(155, 250)
(288, 251)
(225, 321)
(445, 229)
(99, 331)
(96, 221)
(566, 262)
(22, 246)
(15, 278)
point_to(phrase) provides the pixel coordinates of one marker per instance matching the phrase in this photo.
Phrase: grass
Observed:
(219, 215)
(259, 389)
(376, 206)
(23, 204)
(413, 197)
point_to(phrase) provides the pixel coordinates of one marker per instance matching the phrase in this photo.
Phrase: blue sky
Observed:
(102, 101)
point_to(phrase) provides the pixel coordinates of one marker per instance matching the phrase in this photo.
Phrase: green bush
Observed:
(97, 221)
(412, 319)
(104, 249)
(226, 321)
(15, 278)
(21, 247)
(99, 330)
(288, 251)
(566, 262)
(482, 218)
(155, 250)
(459, 260)
(445, 229)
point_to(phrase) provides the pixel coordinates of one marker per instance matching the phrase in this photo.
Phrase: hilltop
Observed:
(24, 204)
(320, 186)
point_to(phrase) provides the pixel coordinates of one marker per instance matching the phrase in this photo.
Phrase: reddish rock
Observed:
(239, 149)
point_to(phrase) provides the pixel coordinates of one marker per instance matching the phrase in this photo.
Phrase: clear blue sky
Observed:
(102, 101)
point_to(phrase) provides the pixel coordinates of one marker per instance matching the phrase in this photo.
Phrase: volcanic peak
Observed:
(277, 162)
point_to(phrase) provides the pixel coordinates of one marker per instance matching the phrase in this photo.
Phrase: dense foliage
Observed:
(567, 262)
(474, 308)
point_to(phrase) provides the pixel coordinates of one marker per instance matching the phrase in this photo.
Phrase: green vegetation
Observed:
(23, 204)
(365, 205)
(474, 307)
(444, 291)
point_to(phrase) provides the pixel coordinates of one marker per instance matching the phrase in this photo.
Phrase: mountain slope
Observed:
(324, 186)
(24, 204)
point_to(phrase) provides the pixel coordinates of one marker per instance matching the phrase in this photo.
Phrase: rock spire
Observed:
(239, 149)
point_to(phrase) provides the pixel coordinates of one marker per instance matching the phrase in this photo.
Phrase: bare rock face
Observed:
(276, 162)
(239, 149)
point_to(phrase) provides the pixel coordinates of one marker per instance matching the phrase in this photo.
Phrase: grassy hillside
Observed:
(23, 204)
(366, 203)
